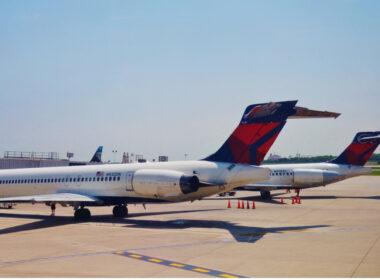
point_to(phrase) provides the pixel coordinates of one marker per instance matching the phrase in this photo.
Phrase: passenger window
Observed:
(118, 178)
(102, 179)
(97, 179)
(105, 179)
(71, 179)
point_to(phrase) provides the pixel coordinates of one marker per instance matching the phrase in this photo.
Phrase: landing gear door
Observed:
(129, 179)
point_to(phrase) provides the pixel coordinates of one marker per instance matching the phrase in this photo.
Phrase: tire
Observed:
(82, 214)
(120, 211)
(222, 194)
(116, 211)
(123, 211)
(86, 214)
(265, 195)
(77, 214)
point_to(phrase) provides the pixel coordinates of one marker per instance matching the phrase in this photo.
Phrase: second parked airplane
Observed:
(308, 175)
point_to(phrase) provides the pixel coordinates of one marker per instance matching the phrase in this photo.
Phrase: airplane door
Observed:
(129, 179)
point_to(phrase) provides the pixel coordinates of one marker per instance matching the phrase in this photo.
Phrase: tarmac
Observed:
(334, 232)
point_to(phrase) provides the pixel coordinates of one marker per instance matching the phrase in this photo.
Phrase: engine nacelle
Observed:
(314, 177)
(161, 183)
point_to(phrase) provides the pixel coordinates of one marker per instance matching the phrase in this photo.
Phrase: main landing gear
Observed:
(120, 211)
(265, 194)
(82, 214)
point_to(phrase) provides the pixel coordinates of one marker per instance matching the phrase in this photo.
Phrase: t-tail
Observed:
(258, 129)
(98, 155)
(360, 150)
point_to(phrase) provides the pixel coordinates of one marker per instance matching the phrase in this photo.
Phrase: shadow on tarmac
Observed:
(239, 232)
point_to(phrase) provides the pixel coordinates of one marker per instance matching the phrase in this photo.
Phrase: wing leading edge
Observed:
(56, 197)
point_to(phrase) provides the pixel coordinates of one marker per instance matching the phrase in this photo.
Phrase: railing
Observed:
(31, 155)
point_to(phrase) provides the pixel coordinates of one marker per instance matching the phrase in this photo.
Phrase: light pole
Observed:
(114, 155)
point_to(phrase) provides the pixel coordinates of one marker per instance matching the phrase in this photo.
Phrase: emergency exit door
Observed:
(129, 178)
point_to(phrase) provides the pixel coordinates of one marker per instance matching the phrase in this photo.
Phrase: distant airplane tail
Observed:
(360, 150)
(258, 129)
(98, 155)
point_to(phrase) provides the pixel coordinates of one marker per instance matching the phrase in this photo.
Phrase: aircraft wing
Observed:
(56, 197)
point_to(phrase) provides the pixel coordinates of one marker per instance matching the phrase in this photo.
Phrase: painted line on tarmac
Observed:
(178, 265)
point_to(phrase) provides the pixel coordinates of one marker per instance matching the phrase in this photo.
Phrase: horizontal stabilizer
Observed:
(56, 197)
(303, 113)
(369, 139)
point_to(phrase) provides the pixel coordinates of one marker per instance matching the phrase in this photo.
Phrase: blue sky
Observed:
(174, 77)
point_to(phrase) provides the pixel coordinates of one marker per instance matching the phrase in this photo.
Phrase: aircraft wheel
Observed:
(115, 211)
(82, 214)
(77, 214)
(222, 194)
(123, 211)
(265, 195)
(86, 214)
(231, 193)
(120, 211)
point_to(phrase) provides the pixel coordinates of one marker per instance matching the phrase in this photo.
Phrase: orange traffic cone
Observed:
(229, 204)
(242, 204)
(299, 200)
(247, 204)
(238, 204)
(292, 200)
(282, 200)
(253, 205)
(287, 190)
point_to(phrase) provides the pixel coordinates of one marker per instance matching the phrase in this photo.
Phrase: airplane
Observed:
(98, 155)
(349, 163)
(234, 164)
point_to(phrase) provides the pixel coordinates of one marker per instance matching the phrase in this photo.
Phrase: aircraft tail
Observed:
(360, 150)
(98, 155)
(258, 129)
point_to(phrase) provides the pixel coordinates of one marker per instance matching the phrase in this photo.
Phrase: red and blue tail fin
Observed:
(360, 150)
(255, 134)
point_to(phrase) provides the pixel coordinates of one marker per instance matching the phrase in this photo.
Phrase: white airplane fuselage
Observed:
(130, 182)
(307, 175)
